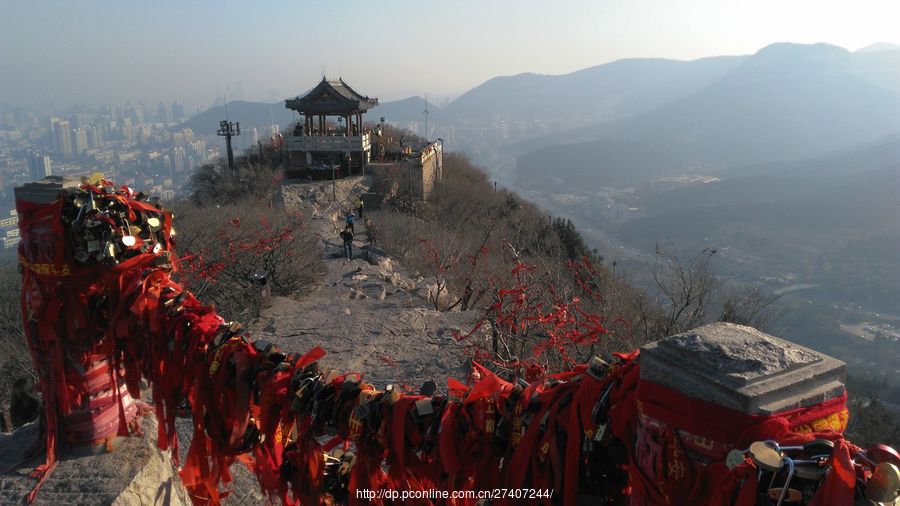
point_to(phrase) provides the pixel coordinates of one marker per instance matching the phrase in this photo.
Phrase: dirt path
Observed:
(370, 318)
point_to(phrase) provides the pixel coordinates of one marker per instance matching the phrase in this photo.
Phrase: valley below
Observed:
(830, 296)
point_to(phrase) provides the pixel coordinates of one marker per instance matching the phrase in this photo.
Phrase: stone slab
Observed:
(135, 472)
(45, 190)
(743, 369)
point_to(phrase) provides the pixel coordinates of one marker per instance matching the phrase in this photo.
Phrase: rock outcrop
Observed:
(132, 471)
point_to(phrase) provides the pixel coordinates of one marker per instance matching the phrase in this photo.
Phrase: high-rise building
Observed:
(81, 140)
(39, 166)
(95, 136)
(135, 113)
(178, 159)
(113, 111)
(163, 114)
(62, 138)
(198, 150)
(177, 112)
(127, 132)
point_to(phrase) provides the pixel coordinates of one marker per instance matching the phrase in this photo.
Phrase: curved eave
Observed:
(305, 107)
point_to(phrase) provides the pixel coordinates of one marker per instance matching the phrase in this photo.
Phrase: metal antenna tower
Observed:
(228, 130)
(426, 117)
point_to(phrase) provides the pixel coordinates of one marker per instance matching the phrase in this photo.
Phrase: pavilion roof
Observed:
(331, 97)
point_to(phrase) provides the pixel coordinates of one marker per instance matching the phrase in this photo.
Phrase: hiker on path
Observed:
(359, 207)
(349, 217)
(347, 236)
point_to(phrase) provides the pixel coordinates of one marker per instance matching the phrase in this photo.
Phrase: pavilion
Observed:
(317, 144)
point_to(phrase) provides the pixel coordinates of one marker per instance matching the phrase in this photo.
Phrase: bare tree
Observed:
(751, 306)
(15, 360)
(686, 288)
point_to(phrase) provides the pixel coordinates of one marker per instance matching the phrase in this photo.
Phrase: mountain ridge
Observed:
(787, 101)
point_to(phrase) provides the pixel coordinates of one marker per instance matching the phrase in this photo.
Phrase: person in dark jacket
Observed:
(349, 217)
(347, 236)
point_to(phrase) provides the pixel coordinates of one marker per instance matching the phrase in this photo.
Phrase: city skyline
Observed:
(93, 53)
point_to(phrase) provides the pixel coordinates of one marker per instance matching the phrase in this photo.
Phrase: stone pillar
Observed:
(743, 369)
(731, 366)
(90, 391)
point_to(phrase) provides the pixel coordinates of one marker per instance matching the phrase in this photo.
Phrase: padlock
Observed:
(424, 407)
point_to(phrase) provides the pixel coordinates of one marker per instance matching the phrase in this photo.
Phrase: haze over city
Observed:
(616, 242)
(56, 54)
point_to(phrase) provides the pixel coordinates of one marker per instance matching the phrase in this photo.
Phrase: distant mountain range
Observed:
(261, 113)
(601, 93)
(788, 101)
(248, 114)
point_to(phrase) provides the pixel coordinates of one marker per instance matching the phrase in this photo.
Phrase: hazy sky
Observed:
(57, 53)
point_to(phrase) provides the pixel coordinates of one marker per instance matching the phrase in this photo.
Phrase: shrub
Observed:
(222, 247)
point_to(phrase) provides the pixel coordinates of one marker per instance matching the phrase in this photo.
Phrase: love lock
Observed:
(787, 496)
(130, 241)
(391, 395)
(818, 448)
(884, 485)
(786, 492)
(771, 460)
(735, 458)
(810, 475)
(765, 457)
(424, 407)
(348, 460)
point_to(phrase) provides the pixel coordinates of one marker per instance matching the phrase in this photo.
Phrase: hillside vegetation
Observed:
(481, 245)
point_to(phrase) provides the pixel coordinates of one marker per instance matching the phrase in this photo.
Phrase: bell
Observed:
(884, 485)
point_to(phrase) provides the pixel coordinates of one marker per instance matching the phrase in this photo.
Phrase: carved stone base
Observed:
(743, 369)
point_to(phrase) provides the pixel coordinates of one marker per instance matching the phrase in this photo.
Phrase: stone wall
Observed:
(417, 175)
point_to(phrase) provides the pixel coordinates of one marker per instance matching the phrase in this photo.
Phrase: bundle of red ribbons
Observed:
(99, 301)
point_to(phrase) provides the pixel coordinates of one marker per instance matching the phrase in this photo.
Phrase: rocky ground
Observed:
(369, 314)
